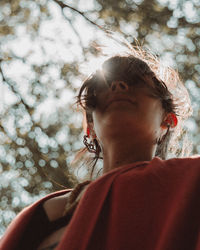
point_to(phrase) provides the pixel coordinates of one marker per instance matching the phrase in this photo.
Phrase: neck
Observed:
(121, 153)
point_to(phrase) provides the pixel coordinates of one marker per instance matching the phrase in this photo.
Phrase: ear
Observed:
(170, 120)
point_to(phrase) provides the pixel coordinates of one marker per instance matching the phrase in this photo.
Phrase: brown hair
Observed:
(140, 67)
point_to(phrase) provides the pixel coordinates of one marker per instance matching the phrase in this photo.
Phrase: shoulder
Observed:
(193, 160)
(188, 166)
(57, 207)
(54, 207)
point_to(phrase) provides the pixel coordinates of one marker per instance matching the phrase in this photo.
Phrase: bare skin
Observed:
(127, 129)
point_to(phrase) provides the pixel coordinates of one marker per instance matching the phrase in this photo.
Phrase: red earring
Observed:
(172, 120)
(175, 120)
(88, 132)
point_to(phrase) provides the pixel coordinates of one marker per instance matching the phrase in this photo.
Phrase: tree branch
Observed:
(63, 5)
(75, 31)
(14, 90)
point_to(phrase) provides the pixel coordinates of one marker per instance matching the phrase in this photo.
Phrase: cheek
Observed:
(151, 113)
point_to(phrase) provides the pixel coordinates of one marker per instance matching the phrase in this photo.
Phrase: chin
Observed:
(121, 119)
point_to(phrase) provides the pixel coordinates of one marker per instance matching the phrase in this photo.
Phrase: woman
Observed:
(142, 201)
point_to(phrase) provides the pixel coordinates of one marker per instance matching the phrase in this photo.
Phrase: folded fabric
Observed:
(146, 205)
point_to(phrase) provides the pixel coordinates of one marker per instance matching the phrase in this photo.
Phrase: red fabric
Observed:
(147, 205)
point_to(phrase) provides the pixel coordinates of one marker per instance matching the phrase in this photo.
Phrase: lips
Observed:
(119, 99)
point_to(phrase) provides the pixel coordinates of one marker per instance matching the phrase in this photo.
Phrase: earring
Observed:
(92, 146)
(89, 145)
(171, 121)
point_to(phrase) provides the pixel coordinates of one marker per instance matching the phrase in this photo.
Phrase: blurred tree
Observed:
(44, 47)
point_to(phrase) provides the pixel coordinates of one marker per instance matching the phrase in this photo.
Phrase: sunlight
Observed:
(107, 46)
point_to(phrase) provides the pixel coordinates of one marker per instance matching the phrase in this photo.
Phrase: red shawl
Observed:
(146, 205)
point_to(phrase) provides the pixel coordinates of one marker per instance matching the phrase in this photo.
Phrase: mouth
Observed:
(119, 100)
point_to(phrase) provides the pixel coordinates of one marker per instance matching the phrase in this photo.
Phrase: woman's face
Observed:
(127, 111)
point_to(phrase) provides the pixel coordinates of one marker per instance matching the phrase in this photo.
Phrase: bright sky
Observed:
(54, 36)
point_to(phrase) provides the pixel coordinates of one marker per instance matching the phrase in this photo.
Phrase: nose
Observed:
(119, 86)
